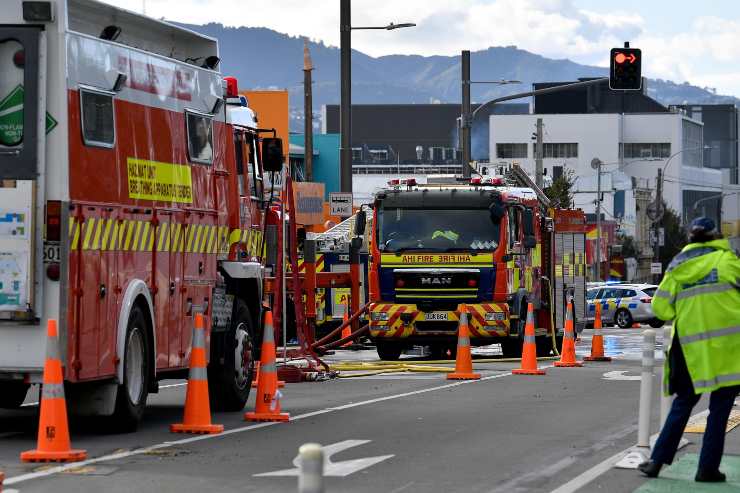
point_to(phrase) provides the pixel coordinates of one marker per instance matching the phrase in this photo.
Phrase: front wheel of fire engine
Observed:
(12, 394)
(388, 351)
(231, 382)
(623, 318)
(133, 392)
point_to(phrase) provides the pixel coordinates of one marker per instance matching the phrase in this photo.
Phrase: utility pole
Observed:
(307, 112)
(656, 224)
(598, 223)
(345, 48)
(465, 114)
(538, 168)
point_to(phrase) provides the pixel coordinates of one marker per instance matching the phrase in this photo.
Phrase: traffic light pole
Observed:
(345, 51)
(656, 224)
(465, 120)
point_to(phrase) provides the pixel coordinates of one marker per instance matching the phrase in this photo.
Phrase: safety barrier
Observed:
(529, 348)
(267, 407)
(464, 359)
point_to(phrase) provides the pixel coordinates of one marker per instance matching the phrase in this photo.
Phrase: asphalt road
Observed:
(418, 432)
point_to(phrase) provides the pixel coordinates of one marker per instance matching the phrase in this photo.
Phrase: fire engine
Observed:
(491, 244)
(132, 198)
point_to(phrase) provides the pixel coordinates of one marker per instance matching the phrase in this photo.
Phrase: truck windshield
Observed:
(436, 230)
(12, 62)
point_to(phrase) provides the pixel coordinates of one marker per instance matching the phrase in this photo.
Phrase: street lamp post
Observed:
(345, 121)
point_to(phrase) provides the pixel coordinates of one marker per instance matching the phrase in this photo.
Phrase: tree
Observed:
(675, 236)
(560, 192)
(629, 247)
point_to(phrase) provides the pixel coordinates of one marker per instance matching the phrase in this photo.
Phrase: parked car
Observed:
(622, 304)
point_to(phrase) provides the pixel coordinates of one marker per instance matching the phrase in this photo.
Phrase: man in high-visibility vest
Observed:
(701, 294)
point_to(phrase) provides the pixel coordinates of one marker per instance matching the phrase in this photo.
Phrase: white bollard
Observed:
(641, 452)
(311, 476)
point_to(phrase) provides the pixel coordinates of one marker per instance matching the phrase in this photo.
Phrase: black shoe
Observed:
(650, 468)
(710, 477)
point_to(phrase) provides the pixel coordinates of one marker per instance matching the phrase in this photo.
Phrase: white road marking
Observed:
(123, 455)
(587, 476)
(334, 469)
(619, 375)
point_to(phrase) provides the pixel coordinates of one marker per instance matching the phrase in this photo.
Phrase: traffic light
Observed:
(625, 69)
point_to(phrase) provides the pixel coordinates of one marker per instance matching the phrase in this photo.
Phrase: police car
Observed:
(622, 304)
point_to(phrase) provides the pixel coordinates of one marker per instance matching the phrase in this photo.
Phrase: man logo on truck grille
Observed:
(436, 281)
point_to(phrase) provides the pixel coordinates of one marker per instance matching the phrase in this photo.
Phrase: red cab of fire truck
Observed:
(492, 247)
(131, 199)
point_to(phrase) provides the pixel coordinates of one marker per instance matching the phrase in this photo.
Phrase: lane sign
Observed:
(340, 204)
(656, 268)
(335, 469)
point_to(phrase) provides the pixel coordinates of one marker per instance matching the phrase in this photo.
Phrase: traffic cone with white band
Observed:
(53, 437)
(464, 360)
(268, 395)
(568, 354)
(597, 341)
(529, 349)
(197, 406)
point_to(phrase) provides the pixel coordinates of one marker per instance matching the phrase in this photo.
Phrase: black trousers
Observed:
(713, 444)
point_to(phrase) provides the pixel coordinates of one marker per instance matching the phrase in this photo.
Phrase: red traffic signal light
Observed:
(625, 69)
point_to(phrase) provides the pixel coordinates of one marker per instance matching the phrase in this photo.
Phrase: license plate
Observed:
(437, 316)
(51, 252)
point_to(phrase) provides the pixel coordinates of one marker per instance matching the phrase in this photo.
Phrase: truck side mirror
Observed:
(272, 154)
(497, 211)
(360, 222)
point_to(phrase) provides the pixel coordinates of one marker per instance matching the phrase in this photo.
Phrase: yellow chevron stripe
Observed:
(174, 236)
(145, 237)
(76, 237)
(191, 228)
(96, 241)
(163, 243)
(106, 234)
(114, 244)
(212, 240)
(71, 226)
(89, 226)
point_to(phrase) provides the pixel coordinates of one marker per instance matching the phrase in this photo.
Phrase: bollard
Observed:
(646, 388)
(641, 451)
(311, 466)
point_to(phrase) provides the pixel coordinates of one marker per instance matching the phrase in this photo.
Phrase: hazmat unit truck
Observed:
(131, 199)
(490, 246)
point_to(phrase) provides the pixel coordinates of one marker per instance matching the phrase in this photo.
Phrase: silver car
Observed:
(623, 304)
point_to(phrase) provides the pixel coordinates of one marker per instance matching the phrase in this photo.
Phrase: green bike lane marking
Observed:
(679, 477)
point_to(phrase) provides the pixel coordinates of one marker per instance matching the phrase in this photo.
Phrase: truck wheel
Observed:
(133, 392)
(12, 394)
(623, 318)
(230, 382)
(656, 323)
(388, 351)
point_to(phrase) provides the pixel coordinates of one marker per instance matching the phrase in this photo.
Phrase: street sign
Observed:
(655, 211)
(340, 204)
(656, 268)
(657, 238)
(334, 469)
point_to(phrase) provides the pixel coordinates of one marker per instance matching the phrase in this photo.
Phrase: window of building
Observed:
(511, 151)
(449, 153)
(200, 137)
(693, 143)
(98, 121)
(378, 155)
(557, 172)
(558, 150)
(643, 150)
(357, 154)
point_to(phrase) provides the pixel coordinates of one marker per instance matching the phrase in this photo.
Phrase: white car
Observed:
(623, 304)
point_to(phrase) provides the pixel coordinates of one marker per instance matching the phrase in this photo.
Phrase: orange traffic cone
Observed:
(464, 360)
(53, 437)
(597, 341)
(197, 407)
(529, 349)
(347, 331)
(268, 395)
(568, 354)
(256, 380)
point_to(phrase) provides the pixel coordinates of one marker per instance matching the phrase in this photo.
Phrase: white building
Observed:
(637, 144)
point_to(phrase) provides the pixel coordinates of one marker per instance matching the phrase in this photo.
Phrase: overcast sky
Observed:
(682, 40)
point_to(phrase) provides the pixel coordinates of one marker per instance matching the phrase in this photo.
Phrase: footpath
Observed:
(679, 476)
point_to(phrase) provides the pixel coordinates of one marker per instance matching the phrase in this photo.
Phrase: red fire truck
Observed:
(132, 198)
(487, 244)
